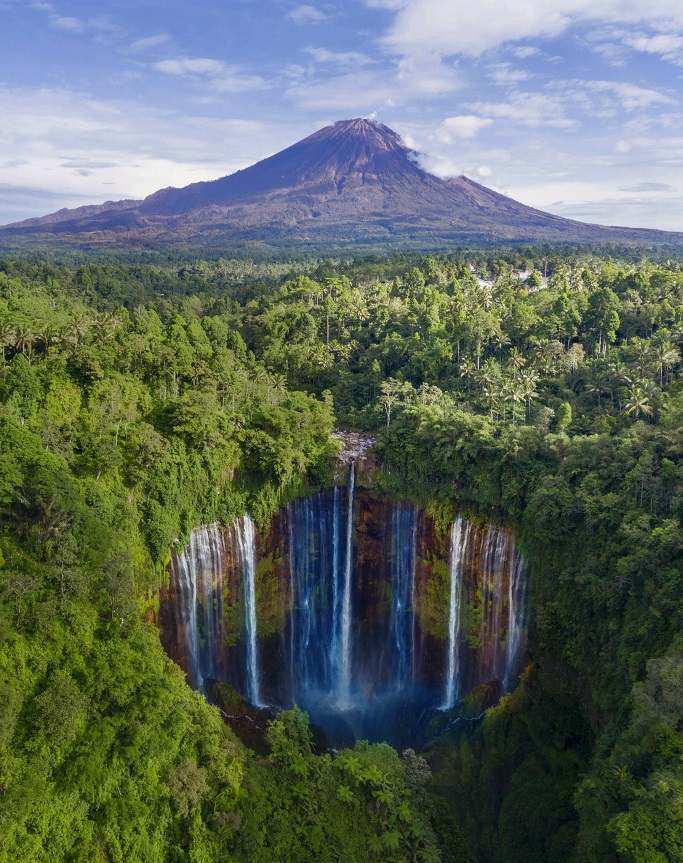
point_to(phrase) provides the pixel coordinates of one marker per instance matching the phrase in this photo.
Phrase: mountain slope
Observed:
(353, 182)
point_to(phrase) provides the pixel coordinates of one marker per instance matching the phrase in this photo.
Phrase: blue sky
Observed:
(572, 106)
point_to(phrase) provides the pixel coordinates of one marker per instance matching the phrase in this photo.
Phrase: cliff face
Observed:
(359, 602)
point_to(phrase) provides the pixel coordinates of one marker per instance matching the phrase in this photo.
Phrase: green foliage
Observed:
(137, 400)
(356, 806)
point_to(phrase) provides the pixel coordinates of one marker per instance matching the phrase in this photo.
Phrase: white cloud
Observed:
(664, 43)
(354, 94)
(601, 203)
(363, 90)
(667, 45)
(505, 75)
(470, 29)
(529, 109)
(148, 43)
(608, 98)
(74, 25)
(190, 65)
(222, 77)
(463, 126)
(630, 96)
(76, 149)
(343, 59)
(305, 14)
(525, 51)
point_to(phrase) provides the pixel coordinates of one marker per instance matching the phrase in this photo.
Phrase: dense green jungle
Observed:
(537, 389)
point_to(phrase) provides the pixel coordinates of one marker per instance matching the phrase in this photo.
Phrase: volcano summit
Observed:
(352, 183)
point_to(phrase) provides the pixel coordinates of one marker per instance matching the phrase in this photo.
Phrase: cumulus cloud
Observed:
(99, 26)
(305, 14)
(75, 25)
(470, 29)
(77, 149)
(667, 45)
(463, 126)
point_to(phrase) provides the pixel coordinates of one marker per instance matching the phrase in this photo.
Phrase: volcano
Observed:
(352, 183)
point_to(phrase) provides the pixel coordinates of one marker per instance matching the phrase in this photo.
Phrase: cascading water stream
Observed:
(245, 542)
(200, 574)
(487, 573)
(353, 623)
(460, 532)
(344, 684)
(403, 558)
(517, 611)
(313, 529)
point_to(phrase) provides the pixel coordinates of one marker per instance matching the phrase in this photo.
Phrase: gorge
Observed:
(353, 606)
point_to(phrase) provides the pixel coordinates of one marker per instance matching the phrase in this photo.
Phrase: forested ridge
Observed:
(542, 391)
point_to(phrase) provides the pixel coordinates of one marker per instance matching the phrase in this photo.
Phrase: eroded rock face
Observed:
(361, 636)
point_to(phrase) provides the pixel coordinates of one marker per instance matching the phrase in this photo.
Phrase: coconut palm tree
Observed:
(639, 402)
(517, 361)
(528, 380)
(665, 355)
(7, 337)
(467, 369)
(23, 337)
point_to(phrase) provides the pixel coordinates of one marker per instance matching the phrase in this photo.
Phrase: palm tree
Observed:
(48, 335)
(500, 340)
(597, 385)
(528, 381)
(517, 361)
(665, 356)
(487, 376)
(23, 337)
(77, 328)
(638, 403)
(516, 395)
(7, 337)
(106, 325)
(467, 370)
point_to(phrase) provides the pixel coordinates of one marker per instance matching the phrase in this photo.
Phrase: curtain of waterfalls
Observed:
(488, 594)
(314, 527)
(200, 574)
(358, 624)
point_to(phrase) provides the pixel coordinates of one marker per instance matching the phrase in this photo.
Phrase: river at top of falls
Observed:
(360, 645)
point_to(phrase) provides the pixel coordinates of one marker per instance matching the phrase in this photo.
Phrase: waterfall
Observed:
(489, 574)
(460, 534)
(494, 561)
(200, 574)
(402, 558)
(363, 624)
(344, 683)
(517, 610)
(244, 541)
(313, 530)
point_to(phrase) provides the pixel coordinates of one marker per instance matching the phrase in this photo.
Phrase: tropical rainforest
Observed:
(538, 388)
